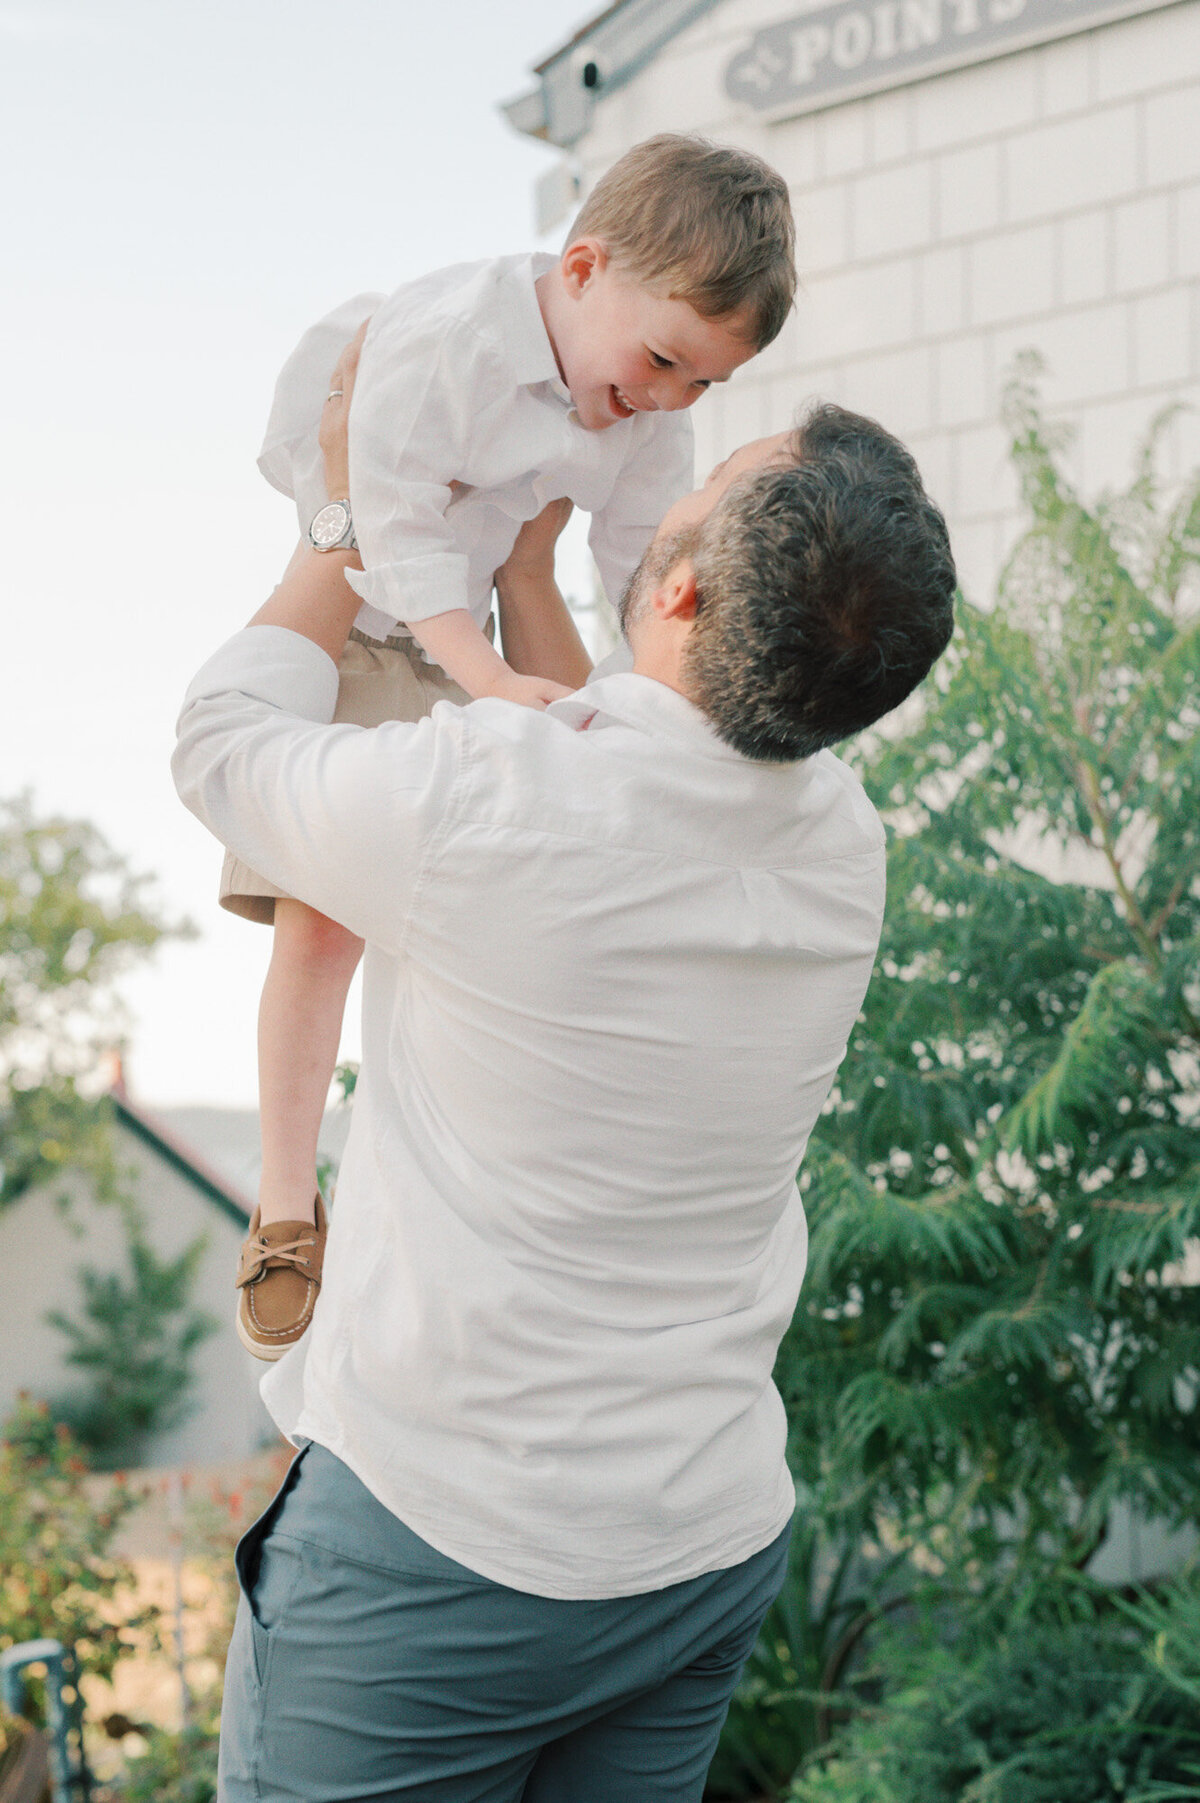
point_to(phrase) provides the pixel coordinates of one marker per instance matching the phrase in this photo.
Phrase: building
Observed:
(970, 177)
(182, 1197)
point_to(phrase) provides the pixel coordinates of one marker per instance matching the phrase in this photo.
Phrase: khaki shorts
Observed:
(379, 680)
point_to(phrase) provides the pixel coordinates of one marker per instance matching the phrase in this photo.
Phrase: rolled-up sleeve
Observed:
(655, 476)
(339, 816)
(427, 387)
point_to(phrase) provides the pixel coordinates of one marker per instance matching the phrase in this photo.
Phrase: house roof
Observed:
(601, 56)
(577, 36)
(182, 1157)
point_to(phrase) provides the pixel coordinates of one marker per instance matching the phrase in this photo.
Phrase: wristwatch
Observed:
(332, 528)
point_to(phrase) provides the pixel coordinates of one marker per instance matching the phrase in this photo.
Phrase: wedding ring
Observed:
(335, 394)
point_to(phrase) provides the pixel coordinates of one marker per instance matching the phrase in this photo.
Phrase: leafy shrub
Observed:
(794, 1682)
(56, 1575)
(1045, 1713)
(1172, 1618)
(178, 1766)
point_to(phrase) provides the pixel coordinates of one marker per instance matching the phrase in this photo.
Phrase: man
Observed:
(614, 953)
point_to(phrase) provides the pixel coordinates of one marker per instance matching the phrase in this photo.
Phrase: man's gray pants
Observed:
(365, 1665)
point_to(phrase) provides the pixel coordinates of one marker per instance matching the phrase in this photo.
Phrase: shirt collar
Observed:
(647, 705)
(528, 341)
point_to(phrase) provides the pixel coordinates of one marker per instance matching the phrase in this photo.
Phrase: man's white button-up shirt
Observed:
(458, 383)
(611, 969)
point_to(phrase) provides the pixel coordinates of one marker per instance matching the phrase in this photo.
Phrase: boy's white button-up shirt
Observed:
(611, 969)
(458, 383)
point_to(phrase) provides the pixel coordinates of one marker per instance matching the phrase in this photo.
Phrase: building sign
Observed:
(858, 46)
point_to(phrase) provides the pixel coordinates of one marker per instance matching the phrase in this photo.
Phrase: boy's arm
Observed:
(539, 636)
(427, 385)
(452, 639)
(465, 653)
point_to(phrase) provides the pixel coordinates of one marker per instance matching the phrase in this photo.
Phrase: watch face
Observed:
(329, 524)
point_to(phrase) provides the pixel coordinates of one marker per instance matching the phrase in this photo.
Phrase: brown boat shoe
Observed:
(279, 1274)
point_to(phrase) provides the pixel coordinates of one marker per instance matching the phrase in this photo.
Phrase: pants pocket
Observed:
(247, 1554)
(262, 1602)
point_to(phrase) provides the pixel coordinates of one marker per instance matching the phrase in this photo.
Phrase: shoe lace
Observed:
(261, 1249)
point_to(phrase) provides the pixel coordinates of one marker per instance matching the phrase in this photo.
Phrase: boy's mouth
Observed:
(621, 405)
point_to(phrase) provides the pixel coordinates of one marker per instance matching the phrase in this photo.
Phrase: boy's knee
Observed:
(308, 937)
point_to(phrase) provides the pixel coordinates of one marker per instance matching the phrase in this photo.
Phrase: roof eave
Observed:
(597, 60)
(527, 113)
(153, 1133)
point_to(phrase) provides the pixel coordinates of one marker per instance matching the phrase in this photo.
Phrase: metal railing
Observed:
(68, 1776)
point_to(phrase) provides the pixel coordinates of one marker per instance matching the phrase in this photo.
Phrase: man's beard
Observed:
(660, 559)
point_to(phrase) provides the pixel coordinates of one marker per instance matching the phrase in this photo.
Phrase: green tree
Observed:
(134, 1338)
(995, 1342)
(72, 920)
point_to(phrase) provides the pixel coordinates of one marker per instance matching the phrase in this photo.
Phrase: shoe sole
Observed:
(256, 1347)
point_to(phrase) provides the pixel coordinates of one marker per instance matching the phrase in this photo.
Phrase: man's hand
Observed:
(314, 598)
(528, 691)
(333, 433)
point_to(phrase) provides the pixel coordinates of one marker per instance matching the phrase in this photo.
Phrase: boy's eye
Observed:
(660, 362)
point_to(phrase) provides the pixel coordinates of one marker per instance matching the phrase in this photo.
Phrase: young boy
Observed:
(484, 393)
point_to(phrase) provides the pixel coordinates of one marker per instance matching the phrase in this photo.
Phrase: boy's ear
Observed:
(582, 261)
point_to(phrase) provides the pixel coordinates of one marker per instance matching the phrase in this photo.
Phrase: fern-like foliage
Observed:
(999, 1335)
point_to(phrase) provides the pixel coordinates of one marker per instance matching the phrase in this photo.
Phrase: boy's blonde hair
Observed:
(705, 223)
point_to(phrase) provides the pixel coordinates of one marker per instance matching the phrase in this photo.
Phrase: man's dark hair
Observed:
(825, 591)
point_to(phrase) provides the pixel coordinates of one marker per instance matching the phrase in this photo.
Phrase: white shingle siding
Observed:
(1049, 198)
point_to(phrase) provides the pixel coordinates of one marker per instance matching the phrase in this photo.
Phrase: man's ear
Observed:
(675, 596)
(583, 260)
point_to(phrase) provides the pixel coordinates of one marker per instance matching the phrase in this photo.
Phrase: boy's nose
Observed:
(673, 391)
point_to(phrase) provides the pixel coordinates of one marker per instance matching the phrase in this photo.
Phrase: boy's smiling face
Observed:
(622, 348)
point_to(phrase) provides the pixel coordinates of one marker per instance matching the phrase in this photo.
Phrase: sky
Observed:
(189, 187)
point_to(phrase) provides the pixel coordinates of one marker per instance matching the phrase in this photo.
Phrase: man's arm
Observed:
(536, 628)
(340, 817)
(314, 598)
(337, 816)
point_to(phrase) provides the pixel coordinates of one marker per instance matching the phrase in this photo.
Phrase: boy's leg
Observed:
(299, 1026)
(299, 1023)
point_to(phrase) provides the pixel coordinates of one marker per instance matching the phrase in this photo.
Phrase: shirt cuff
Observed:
(414, 590)
(275, 665)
